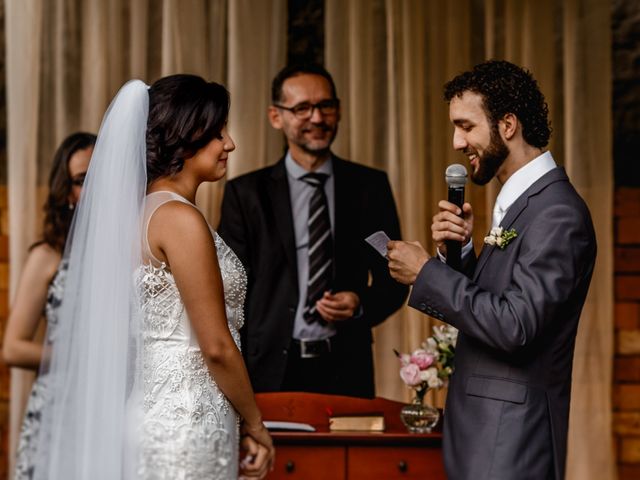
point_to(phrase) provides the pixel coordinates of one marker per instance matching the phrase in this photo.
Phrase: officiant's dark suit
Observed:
(517, 307)
(259, 225)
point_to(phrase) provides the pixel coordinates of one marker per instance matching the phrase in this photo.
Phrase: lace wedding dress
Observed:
(190, 430)
(28, 442)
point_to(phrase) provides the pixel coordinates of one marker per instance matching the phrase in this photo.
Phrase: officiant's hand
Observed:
(406, 259)
(338, 306)
(256, 462)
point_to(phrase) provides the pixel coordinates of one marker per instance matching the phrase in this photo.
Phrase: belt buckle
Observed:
(311, 348)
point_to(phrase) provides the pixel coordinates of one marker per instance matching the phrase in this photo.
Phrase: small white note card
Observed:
(379, 241)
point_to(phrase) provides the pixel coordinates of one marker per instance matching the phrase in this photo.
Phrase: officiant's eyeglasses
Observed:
(304, 110)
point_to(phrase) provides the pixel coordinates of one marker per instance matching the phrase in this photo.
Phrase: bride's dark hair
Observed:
(185, 114)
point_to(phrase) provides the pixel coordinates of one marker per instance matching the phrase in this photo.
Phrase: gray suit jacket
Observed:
(517, 310)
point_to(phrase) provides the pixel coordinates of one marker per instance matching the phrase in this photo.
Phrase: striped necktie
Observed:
(320, 246)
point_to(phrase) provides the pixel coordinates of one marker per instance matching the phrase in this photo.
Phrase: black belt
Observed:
(312, 348)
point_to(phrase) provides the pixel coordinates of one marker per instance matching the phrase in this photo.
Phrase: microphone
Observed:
(456, 177)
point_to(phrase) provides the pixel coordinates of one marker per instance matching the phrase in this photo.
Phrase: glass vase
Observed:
(419, 417)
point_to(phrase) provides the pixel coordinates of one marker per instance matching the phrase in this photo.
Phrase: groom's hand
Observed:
(452, 223)
(406, 259)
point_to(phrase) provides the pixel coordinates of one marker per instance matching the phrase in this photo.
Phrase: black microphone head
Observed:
(456, 175)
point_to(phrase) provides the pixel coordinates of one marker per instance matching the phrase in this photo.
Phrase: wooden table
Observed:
(324, 455)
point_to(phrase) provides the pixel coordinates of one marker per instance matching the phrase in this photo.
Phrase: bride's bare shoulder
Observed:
(179, 225)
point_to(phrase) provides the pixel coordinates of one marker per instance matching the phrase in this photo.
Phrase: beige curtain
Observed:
(588, 151)
(23, 20)
(390, 60)
(257, 51)
(67, 58)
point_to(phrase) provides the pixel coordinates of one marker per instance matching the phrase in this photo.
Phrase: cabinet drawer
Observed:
(309, 463)
(391, 463)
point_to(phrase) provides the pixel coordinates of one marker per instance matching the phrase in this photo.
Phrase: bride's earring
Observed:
(71, 206)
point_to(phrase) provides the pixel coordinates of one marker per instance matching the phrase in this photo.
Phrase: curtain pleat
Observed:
(23, 30)
(257, 51)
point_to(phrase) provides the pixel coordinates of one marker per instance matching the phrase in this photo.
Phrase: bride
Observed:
(148, 381)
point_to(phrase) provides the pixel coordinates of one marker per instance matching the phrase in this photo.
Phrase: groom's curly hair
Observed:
(185, 114)
(506, 88)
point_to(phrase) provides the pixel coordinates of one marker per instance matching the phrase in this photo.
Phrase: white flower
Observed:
(432, 378)
(430, 346)
(499, 237)
(405, 359)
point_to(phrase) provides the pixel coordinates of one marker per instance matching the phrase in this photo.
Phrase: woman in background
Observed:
(41, 285)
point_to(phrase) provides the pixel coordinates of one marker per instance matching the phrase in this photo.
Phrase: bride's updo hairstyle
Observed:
(185, 114)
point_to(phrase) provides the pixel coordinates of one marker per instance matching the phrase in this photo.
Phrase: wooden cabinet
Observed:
(391, 463)
(324, 455)
(308, 463)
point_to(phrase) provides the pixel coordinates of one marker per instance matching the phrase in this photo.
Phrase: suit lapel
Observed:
(557, 174)
(278, 190)
(341, 197)
(514, 212)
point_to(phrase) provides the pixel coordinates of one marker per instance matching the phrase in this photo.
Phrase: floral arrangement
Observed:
(431, 365)
(500, 237)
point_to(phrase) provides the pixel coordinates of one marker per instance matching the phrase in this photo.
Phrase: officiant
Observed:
(316, 289)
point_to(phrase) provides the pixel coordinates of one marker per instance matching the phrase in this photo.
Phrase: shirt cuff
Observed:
(464, 252)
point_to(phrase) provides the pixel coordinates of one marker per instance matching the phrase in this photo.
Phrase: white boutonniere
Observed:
(499, 237)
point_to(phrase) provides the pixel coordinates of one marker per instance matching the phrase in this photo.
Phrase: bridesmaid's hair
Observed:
(185, 114)
(58, 215)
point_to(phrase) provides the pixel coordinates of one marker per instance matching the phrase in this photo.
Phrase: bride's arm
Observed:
(180, 235)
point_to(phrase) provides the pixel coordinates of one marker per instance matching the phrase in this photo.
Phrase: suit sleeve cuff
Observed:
(419, 298)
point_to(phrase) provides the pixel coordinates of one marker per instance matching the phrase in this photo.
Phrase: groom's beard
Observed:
(491, 160)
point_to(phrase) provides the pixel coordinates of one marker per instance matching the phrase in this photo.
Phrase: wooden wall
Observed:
(627, 323)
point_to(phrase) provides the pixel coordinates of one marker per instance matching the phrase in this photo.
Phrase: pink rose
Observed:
(422, 359)
(410, 374)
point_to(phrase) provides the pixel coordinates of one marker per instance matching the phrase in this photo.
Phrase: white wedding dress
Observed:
(190, 430)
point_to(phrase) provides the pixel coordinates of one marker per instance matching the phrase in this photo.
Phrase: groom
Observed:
(516, 306)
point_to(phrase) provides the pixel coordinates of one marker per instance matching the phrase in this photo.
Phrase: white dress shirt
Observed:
(519, 182)
(515, 186)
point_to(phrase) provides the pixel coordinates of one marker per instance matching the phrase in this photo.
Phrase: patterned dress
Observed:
(28, 441)
(190, 430)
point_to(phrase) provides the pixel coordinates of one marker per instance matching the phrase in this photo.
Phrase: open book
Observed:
(288, 426)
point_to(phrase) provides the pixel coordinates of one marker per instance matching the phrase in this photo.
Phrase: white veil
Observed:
(87, 422)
